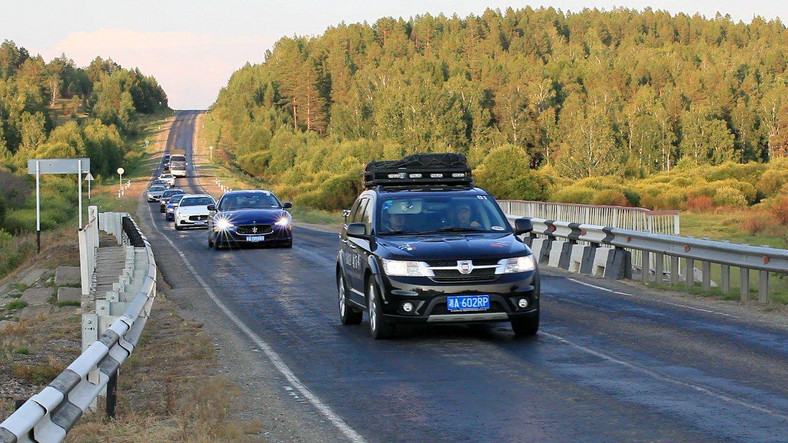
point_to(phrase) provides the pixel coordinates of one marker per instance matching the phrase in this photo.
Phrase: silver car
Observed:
(155, 192)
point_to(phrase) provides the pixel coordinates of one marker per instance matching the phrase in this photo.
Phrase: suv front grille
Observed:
(476, 262)
(453, 275)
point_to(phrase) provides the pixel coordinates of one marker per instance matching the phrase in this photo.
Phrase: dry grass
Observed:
(169, 390)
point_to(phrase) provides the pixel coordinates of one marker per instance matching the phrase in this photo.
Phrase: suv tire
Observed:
(526, 327)
(378, 329)
(347, 314)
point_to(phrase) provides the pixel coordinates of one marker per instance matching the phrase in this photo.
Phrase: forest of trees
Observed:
(59, 110)
(561, 97)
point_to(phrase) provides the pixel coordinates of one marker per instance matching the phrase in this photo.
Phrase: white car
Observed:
(193, 211)
(168, 178)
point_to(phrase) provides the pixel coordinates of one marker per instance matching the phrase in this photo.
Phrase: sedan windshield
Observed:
(197, 201)
(155, 188)
(175, 199)
(440, 213)
(249, 200)
(171, 192)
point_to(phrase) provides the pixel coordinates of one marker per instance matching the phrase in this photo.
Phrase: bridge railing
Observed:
(51, 413)
(560, 243)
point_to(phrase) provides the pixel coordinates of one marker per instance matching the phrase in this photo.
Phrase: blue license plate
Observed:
(255, 238)
(456, 303)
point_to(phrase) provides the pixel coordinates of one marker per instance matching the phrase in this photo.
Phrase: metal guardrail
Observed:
(727, 255)
(50, 414)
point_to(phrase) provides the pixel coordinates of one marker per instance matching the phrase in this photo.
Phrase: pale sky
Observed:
(193, 46)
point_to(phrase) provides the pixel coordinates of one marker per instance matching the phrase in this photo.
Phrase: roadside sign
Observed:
(58, 165)
(89, 178)
(38, 166)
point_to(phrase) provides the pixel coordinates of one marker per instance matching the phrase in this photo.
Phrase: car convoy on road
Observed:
(420, 245)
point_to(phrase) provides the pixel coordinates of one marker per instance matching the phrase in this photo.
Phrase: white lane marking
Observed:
(665, 378)
(277, 361)
(678, 305)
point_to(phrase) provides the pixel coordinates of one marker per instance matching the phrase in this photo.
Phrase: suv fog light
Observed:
(407, 307)
(522, 303)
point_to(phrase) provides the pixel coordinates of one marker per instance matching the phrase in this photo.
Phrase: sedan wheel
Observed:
(378, 329)
(347, 314)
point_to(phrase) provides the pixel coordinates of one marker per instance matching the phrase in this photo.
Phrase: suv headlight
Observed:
(400, 268)
(516, 264)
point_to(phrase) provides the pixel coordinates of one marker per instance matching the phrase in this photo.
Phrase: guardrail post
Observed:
(725, 279)
(689, 273)
(674, 270)
(744, 286)
(112, 394)
(706, 275)
(645, 267)
(659, 259)
(763, 287)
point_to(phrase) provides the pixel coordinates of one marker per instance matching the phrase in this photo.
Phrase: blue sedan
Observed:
(250, 218)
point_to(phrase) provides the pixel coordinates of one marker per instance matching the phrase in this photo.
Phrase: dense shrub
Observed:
(506, 174)
(700, 203)
(574, 194)
(758, 222)
(729, 196)
(773, 180)
(778, 207)
(632, 197)
(610, 197)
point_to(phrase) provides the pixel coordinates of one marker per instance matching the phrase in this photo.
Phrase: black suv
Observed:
(423, 245)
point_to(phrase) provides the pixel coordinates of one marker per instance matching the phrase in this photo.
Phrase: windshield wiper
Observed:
(399, 232)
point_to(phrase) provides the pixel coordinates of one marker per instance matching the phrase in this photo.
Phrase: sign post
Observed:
(56, 166)
(89, 178)
(120, 181)
(210, 150)
(38, 206)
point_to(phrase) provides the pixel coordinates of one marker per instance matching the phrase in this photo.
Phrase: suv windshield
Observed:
(439, 213)
(197, 201)
(249, 200)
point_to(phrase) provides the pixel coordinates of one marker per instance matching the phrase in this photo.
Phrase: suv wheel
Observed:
(378, 329)
(526, 327)
(347, 314)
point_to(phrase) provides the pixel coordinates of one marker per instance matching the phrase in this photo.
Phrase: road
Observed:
(610, 362)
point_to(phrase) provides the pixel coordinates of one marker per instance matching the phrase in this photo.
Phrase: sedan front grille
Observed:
(198, 217)
(254, 229)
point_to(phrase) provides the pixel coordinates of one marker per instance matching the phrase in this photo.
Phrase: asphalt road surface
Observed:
(610, 362)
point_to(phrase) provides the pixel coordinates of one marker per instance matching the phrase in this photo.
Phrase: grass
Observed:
(726, 226)
(61, 304)
(16, 304)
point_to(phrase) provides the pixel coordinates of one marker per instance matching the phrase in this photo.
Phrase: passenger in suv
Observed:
(423, 245)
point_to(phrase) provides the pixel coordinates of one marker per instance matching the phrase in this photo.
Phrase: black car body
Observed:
(165, 197)
(436, 265)
(250, 217)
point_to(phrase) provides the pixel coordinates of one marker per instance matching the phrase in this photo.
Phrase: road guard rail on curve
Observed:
(50, 414)
(608, 254)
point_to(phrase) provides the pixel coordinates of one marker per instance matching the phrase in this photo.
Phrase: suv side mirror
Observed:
(212, 208)
(356, 230)
(523, 226)
(287, 205)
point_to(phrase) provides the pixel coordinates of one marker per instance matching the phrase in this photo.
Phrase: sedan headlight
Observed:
(223, 224)
(399, 268)
(516, 264)
(282, 222)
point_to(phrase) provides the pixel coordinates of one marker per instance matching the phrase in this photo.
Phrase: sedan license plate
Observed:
(457, 303)
(255, 238)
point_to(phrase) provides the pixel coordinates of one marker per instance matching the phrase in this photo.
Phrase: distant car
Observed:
(155, 192)
(168, 178)
(169, 210)
(250, 217)
(161, 182)
(193, 211)
(165, 197)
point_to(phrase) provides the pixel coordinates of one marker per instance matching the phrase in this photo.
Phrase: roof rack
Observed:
(419, 169)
